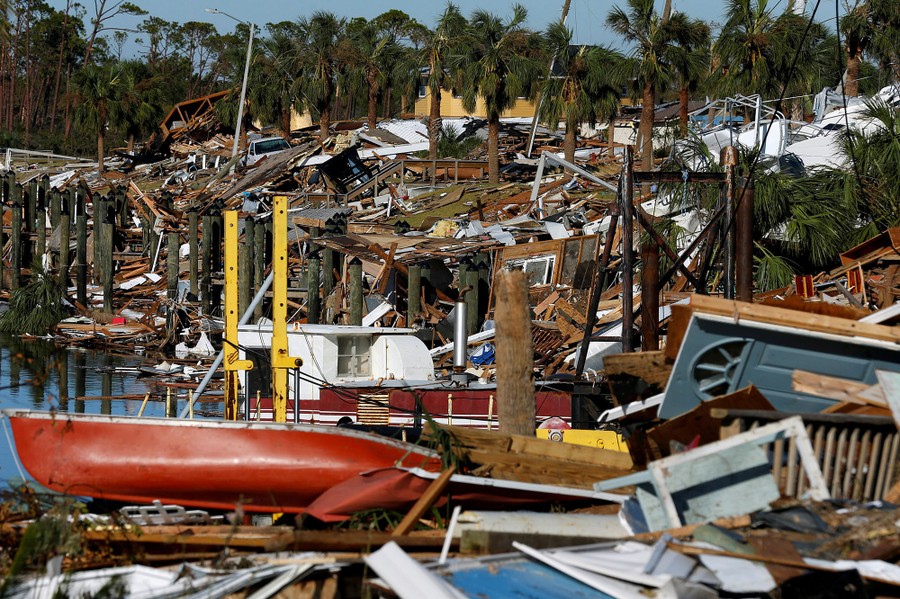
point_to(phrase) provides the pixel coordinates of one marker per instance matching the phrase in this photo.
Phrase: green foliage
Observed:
(374, 519)
(50, 535)
(450, 146)
(771, 271)
(37, 307)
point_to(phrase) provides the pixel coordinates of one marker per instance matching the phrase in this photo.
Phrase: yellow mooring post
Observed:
(232, 360)
(281, 359)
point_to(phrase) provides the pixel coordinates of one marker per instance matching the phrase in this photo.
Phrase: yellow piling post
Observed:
(281, 359)
(191, 403)
(232, 362)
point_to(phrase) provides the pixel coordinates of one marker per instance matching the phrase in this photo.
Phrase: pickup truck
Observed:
(265, 146)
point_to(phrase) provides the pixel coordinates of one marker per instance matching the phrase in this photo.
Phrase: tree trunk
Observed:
(286, 122)
(683, 99)
(62, 45)
(569, 141)
(371, 113)
(493, 148)
(851, 86)
(101, 134)
(130, 142)
(434, 124)
(325, 121)
(68, 118)
(648, 100)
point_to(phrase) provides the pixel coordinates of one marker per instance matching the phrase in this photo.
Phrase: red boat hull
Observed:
(208, 464)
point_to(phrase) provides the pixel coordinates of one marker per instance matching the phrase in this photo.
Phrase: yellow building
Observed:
(452, 107)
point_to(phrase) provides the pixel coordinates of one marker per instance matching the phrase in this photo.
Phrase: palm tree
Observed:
(98, 100)
(583, 87)
(370, 51)
(315, 58)
(270, 90)
(435, 55)
(870, 26)
(500, 62)
(650, 35)
(690, 57)
(141, 101)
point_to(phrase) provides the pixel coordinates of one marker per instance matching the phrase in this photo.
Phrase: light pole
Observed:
(240, 115)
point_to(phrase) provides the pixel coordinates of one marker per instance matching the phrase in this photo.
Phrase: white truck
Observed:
(264, 146)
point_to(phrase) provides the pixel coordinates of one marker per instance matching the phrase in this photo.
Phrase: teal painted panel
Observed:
(717, 358)
(732, 482)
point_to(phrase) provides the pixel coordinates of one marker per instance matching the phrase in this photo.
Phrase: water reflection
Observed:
(36, 374)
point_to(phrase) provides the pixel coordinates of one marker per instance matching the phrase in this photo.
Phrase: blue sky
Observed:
(586, 17)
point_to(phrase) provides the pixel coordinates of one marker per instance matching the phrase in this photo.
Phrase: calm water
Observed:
(39, 375)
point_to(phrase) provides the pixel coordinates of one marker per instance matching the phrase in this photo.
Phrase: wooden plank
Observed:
(830, 387)
(565, 308)
(424, 502)
(890, 384)
(792, 318)
(651, 367)
(529, 468)
(777, 546)
(699, 425)
(495, 441)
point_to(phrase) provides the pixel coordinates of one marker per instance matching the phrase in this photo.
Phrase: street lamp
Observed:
(240, 115)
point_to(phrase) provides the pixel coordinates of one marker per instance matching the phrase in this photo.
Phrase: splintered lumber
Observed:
(697, 426)
(636, 375)
(838, 389)
(529, 459)
(792, 318)
(515, 359)
(262, 538)
(424, 502)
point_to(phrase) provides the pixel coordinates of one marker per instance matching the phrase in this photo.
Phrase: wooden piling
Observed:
(54, 204)
(79, 381)
(244, 278)
(649, 294)
(215, 299)
(515, 357)
(327, 272)
(81, 249)
(16, 238)
(173, 243)
(206, 264)
(472, 299)
(106, 386)
(413, 293)
(62, 365)
(194, 243)
(259, 264)
(356, 295)
(65, 256)
(29, 206)
(313, 301)
(744, 242)
(250, 244)
(105, 249)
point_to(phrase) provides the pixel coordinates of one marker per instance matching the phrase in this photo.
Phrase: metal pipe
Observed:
(245, 318)
(460, 335)
(744, 243)
(627, 199)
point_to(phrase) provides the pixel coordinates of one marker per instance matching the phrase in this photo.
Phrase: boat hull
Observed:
(208, 464)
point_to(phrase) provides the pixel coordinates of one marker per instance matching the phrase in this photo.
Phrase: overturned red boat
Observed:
(262, 467)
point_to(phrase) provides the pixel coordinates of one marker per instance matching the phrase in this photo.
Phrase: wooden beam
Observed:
(793, 318)
(424, 502)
